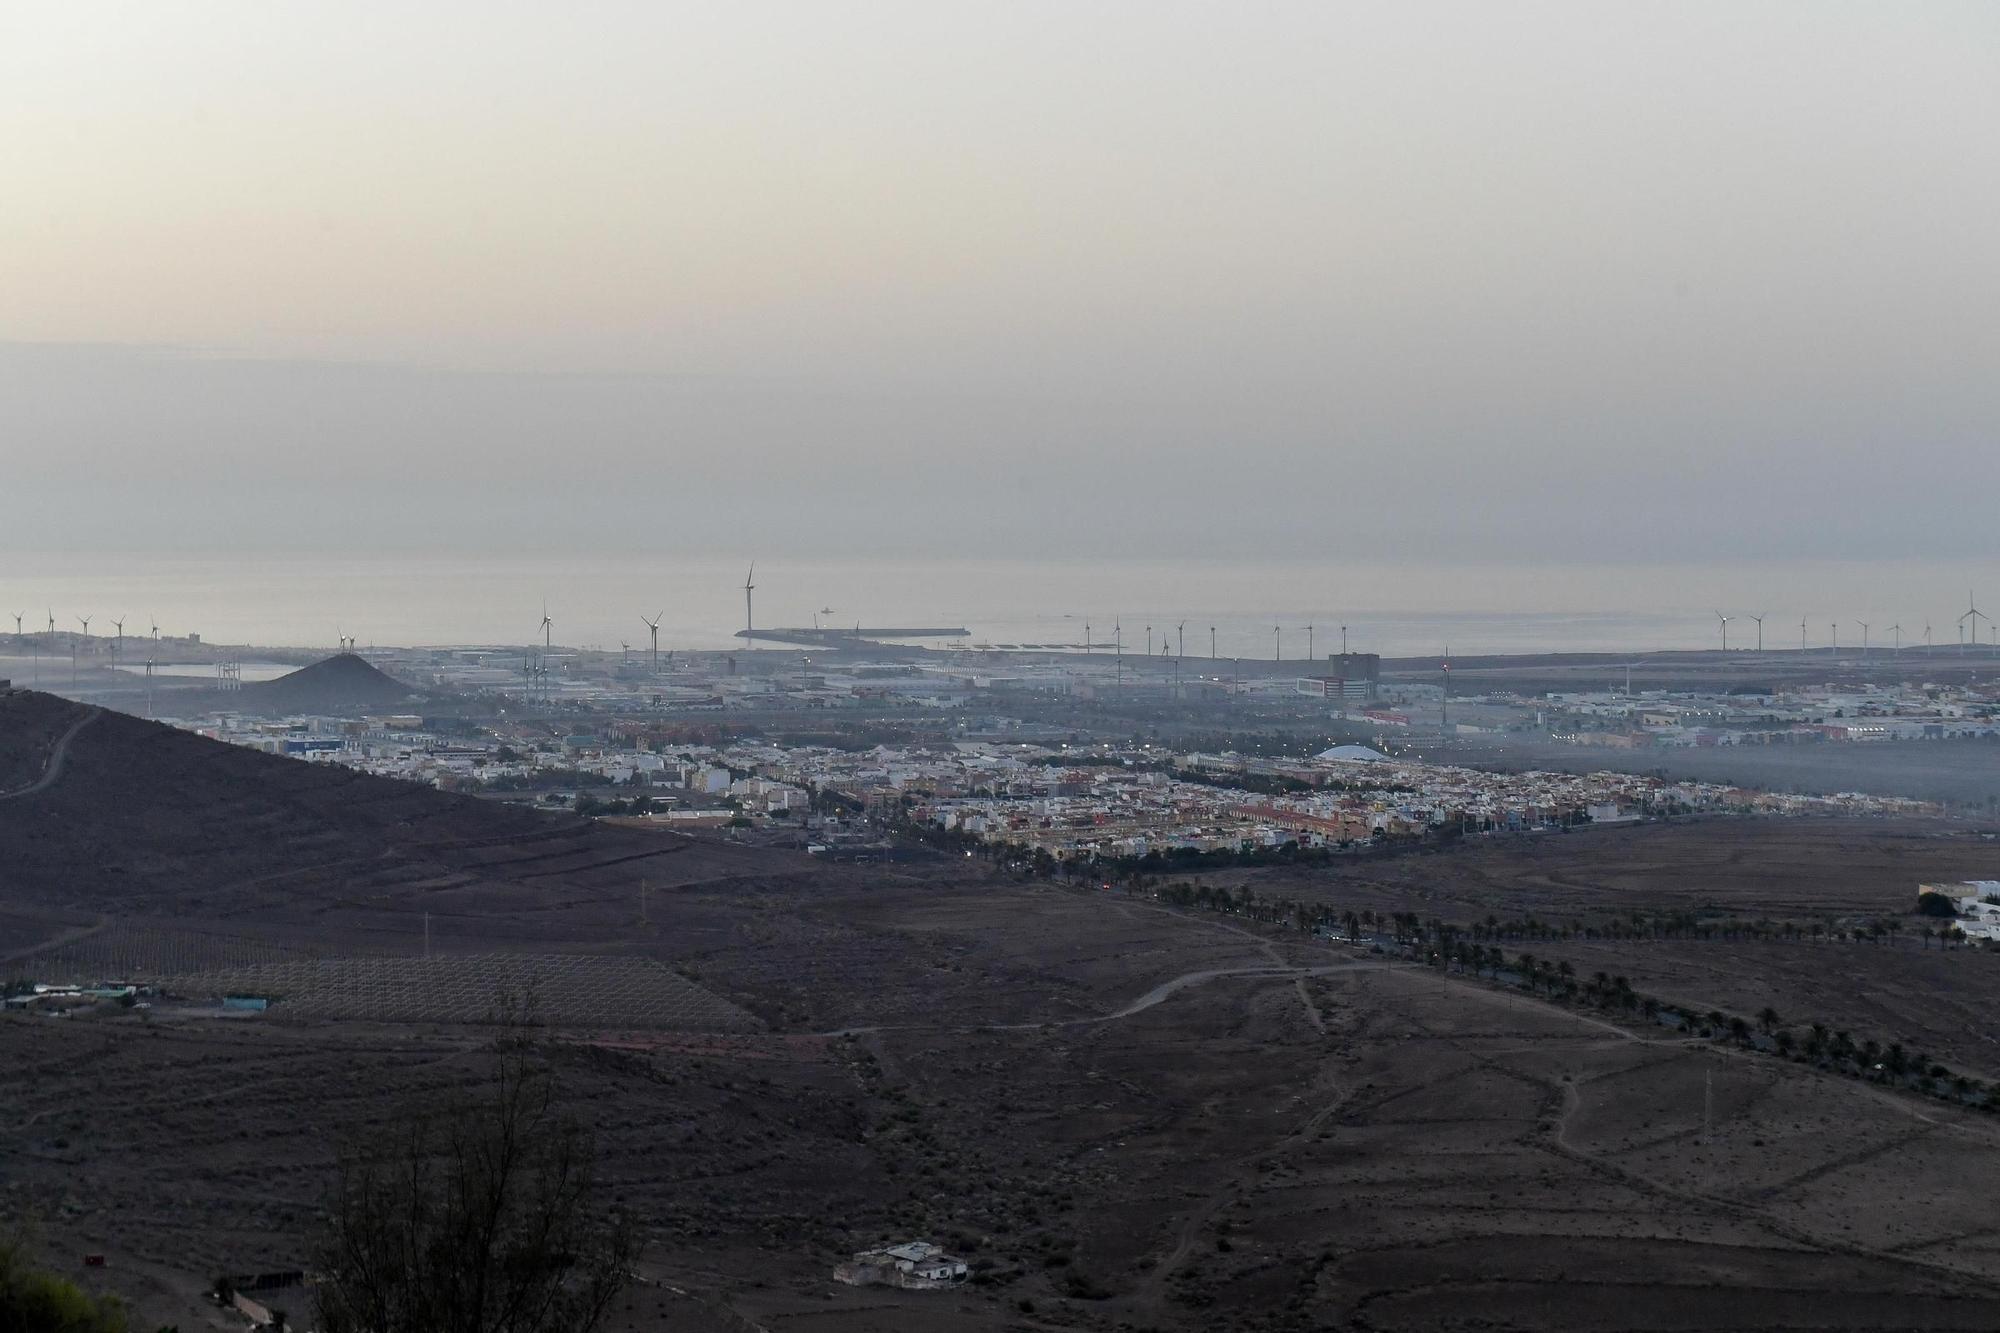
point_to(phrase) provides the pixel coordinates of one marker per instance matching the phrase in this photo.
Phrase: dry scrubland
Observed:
(1127, 1117)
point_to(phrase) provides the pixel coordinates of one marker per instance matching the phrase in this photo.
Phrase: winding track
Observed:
(58, 756)
(1157, 995)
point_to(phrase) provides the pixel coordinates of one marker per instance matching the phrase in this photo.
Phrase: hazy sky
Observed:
(1570, 283)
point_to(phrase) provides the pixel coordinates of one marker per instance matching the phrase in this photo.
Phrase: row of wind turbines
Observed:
(1178, 641)
(1968, 630)
(49, 634)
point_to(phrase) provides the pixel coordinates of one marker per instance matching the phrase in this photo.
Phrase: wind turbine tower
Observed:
(1760, 632)
(1897, 630)
(1973, 615)
(1802, 633)
(1180, 639)
(1864, 638)
(749, 614)
(653, 627)
(1725, 629)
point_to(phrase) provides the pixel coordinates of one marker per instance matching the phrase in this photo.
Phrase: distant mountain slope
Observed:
(344, 681)
(145, 820)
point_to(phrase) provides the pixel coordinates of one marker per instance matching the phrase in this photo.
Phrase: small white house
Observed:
(914, 1264)
(1977, 902)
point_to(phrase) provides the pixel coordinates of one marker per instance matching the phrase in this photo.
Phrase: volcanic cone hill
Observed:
(343, 681)
(105, 814)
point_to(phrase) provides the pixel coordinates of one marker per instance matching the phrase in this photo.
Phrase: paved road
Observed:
(58, 756)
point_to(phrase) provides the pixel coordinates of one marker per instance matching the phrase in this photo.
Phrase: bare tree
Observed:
(474, 1218)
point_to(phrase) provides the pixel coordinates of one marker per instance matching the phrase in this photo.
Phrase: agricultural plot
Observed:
(566, 990)
(139, 951)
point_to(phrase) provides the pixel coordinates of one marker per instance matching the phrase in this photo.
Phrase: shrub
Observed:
(33, 1299)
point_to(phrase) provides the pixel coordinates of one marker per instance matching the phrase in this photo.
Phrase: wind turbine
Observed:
(1086, 638)
(17, 623)
(1309, 641)
(1149, 640)
(1864, 637)
(653, 627)
(1927, 634)
(1211, 643)
(1725, 629)
(1802, 633)
(1760, 631)
(85, 621)
(1833, 635)
(1975, 615)
(624, 653)
(749, 619)
(120, 646)
(1897, 630)
(1180, 639)
(52, 624)
(548, 630)
(1277, 643)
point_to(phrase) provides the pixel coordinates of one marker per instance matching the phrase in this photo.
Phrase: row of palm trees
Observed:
(1690, 926)
(1834, 1050)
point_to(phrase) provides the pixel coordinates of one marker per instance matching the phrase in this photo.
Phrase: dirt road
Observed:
(58, 756)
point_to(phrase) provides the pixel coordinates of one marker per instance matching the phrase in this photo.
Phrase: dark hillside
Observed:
(147, 820)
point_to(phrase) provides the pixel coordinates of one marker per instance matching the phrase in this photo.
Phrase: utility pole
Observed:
(1445, 724)
(1708, 1106)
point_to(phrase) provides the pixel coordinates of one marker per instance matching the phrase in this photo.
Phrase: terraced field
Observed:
(565, 990)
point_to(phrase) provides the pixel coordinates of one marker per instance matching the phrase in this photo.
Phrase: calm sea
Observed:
(599, 601)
